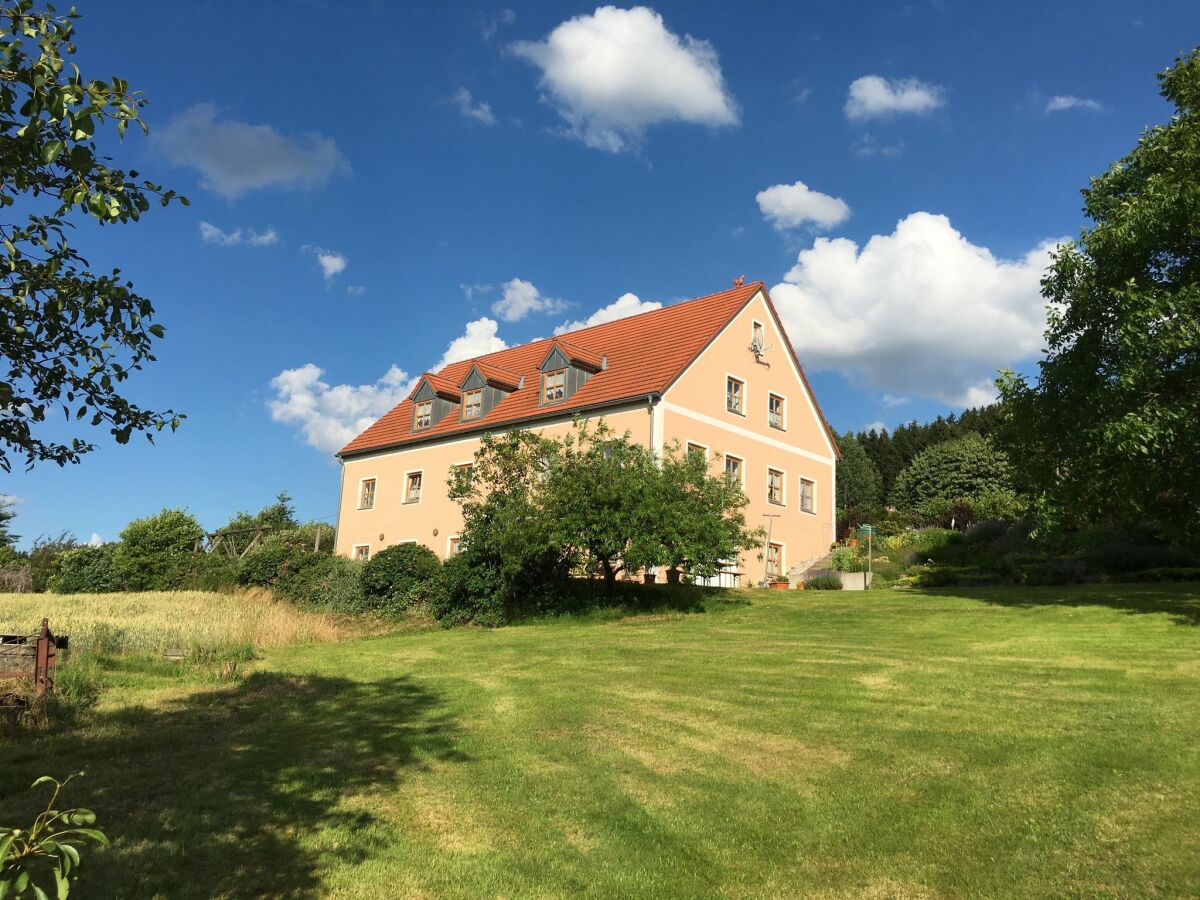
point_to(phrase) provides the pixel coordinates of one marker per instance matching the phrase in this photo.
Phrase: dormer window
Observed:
(565, 370)
(554, 386)
(423, 415)
(472, 407)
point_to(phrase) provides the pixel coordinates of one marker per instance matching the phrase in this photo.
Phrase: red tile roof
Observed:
(645, 354)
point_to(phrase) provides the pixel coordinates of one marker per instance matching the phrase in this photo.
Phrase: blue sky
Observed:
(377, 187)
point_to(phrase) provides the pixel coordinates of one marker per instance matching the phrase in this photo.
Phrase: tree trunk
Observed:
(610, 577)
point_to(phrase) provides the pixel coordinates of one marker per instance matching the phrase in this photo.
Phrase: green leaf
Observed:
(51, 150)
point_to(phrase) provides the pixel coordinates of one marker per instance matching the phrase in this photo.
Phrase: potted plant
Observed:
(780, 584)
(649, 576)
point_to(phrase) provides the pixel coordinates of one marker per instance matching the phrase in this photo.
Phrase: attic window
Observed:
(473, 404)
(554, 386)
(423, 415)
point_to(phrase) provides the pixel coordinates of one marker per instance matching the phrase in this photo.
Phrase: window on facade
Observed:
(455, 545)
(806, 495)
(757, 339)
(362, 551)
(733, 469)
(774, 561)
(466, 470)
(423, 415)
(697, 450)
(554, 386)
(366, 494)
(735, 395)
(472, 404)
(412, 488)
(775, 486)
(775, 411)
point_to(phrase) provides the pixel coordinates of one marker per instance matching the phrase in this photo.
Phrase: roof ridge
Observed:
(750, 287)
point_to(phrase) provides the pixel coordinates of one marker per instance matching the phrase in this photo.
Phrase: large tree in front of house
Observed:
(69, 336)
(1108, 433)
(694, 520)
(601, 497)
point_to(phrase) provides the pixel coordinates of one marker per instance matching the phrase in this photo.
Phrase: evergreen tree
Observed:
(858, 481)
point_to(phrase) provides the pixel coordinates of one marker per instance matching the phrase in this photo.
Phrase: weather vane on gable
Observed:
(739, 281)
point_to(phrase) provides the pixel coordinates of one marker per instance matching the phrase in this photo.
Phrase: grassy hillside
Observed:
(151, 622)
(1001, 743)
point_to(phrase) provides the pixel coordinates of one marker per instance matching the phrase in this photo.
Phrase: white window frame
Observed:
(783, 419)
(355, 548)
(689, 444)
(800, 493)
(450, 539)
(745, 410)
(782, 487)
(374, 493)
(741, 469)
(406, 499)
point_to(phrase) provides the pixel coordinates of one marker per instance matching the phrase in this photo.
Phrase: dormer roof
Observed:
(439, 384)
(494, 375)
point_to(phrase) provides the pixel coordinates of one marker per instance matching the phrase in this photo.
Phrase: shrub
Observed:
(830, 582)
(156, 552)
(399, 573)
(87, 570)
(961, 470)
(470, 592)
(211, 572)
(45, 557)
(332, 583)
(844, 559)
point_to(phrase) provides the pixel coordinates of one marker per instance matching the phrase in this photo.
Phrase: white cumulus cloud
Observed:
(233, 157)
(875, 97)
(95, 540)
(624, 306)
(614, 73)
(921, 311)
(1064, 102)
(793, 205)
(472, 108)
(478, 338)
(332, 262)
(211, 234)
(329, 416)
(521, 298)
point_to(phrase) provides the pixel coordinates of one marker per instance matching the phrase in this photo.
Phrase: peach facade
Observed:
(692, 410)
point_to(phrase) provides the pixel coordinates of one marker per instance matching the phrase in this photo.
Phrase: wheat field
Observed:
(154, 621)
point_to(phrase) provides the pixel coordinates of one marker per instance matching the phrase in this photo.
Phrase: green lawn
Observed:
(1015, 742)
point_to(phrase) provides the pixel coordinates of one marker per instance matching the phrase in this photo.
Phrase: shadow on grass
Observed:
(1179, 601)
(588, 601)
(220, 793)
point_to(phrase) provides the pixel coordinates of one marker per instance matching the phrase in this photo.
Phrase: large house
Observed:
(716, 374)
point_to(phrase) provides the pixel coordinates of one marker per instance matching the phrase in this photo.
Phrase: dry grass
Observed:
(154, 621)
